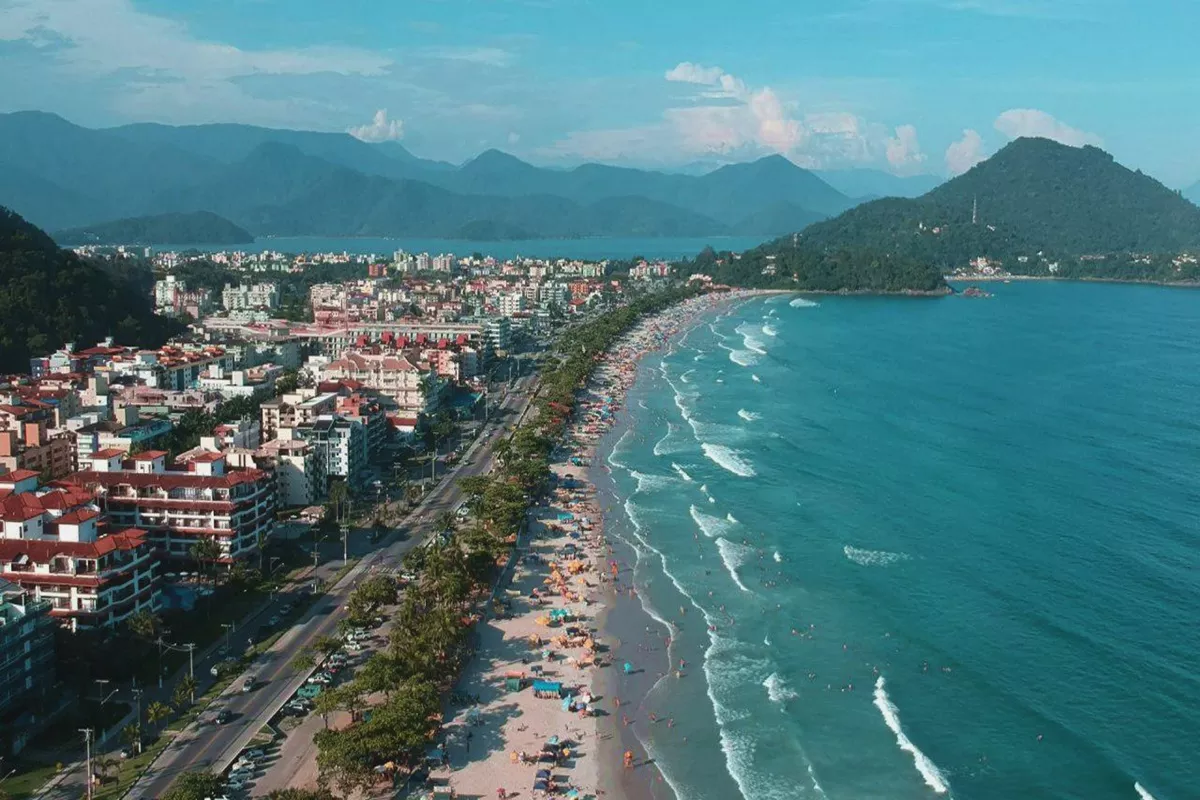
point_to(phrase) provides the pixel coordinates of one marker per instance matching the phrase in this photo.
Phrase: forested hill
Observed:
(787, 264)
(1033, 196)
(197, 227)
(50, 296)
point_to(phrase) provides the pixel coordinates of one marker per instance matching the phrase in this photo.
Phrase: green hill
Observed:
(1034, 196)
(49, 297)
(197, 227)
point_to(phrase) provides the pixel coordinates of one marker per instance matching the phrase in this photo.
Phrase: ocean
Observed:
(592, 249)
(911, 548)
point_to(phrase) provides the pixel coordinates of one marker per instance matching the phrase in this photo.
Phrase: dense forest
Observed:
(1035, 199)
(49, 297)
(783, 265)
(197, 227)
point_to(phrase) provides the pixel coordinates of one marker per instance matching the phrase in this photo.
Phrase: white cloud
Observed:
(380, 129)
(486, 56)
(687, 72)
(105, 36)
(1018, 122)
(965, 153)
(904, 151)
(728, 118)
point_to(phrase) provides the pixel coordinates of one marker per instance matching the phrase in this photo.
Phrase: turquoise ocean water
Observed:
(915, 548)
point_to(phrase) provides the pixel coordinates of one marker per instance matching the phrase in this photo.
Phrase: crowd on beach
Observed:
(536, 725)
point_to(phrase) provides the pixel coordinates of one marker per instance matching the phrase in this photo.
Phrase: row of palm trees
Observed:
(430, 640)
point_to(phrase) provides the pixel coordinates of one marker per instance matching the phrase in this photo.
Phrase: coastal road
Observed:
(207, 745)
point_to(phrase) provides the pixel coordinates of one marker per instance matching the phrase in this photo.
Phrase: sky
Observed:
(906, 86)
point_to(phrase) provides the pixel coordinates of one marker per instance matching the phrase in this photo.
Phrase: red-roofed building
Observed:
(391, 373)
(60, 548)
(179, 507)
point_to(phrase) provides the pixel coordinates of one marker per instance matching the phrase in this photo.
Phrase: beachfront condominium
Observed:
(26, 667)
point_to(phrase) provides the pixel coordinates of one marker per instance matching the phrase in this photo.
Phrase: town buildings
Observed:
(27, 668)
(179, 507)
(61, 548)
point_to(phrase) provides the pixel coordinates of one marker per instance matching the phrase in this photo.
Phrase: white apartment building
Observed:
(511, 303)
(244, 298)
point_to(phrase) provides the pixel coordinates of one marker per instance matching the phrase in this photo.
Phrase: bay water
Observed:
(911, 548)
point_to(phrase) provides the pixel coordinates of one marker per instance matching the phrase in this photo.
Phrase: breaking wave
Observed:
(1141, 790)
(800, 302)
(732, 556)
(777, 689)
(710, 526)
(891, 717)
(728, 459)
(650, 483)
(680, 472)
(873, 558)
(749, 416)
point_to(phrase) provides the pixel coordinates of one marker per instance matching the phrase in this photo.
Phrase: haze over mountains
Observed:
(279, 182)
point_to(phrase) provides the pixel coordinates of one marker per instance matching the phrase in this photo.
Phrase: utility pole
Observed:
(191, 648)
(228, 626)
(87, 745)
(137, 696)
(345, 543)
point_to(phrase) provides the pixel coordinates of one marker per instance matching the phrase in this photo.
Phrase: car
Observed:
(235, 784)
(243, 774)
(285, 609)
(248, 684)
(253, 754)
(242, 763)
(223, 667)
(273, 621)
(354, 647)
(223, 716)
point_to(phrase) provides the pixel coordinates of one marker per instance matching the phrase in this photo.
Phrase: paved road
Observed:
(208, 745)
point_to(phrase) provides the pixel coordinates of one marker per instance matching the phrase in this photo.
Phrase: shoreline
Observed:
(1056, 279)
(630, 629)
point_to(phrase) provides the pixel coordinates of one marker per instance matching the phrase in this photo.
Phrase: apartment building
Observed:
(293, 410)
(340, 447)
(60, 548)
(392, 374)
(244, 298)
(26, 667)
(179, 507)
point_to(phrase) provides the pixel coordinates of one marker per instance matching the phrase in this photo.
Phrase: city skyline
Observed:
(908, 86)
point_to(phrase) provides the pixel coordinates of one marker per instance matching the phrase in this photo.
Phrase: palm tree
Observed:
(338, 492)
(206, 551)
(445, 521)
(157, 712)
(185, 692)
(145, 625)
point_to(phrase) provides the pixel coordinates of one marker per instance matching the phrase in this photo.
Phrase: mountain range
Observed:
(198, 227)
(284, 182)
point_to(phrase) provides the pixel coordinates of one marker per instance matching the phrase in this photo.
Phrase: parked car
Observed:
(253, 754)
(354, 647)
(249, 684)
(285, 609)
(273, 621)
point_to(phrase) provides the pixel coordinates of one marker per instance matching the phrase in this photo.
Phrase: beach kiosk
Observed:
(547, 689)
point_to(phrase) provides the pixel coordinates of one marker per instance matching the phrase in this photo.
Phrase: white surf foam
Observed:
(731, 518)
(612, 457)
(873, 558)
(778, 558)
(800, 302)
(716, 332)
(732, 556)
(750, 339)
(769, 330)
(710, 526)
(650, 483)
(728, 459)
(679, 470)
(749, 416)
(684, 377)
(755, 379)
(1141, 790)
(933, 776)
(743, 358)
(777, 689)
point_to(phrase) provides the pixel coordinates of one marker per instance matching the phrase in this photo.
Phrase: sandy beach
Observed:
(552, 667)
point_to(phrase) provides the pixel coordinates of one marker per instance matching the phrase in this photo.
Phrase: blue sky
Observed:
(910, 86)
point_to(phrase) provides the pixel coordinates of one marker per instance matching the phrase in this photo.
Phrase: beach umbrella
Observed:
(628, 668)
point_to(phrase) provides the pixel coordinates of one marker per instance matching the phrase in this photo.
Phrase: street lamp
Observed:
(228, 626)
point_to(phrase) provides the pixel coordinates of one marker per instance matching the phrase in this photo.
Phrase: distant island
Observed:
(196, 227)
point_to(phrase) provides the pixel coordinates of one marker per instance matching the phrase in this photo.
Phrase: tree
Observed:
(338, 494)
(131, 735)
(145, 625)
(300, 794)
(206, 551)
(185, 692)
(157, 712)
(326, 645)
(195, 786)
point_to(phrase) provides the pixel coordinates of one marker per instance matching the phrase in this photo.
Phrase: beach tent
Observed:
(513, 684)
(547, 687)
